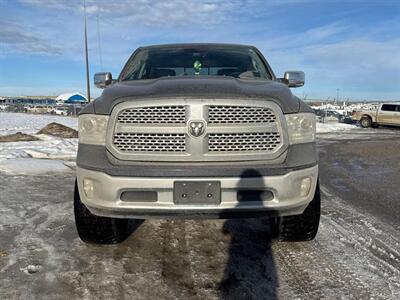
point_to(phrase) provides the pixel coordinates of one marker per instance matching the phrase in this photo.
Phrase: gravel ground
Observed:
(355, 255)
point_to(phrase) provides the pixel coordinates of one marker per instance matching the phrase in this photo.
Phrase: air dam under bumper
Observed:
(285, 197)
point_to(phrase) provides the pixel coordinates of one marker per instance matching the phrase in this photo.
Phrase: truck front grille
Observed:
(161, 130)
(240, 114)
(243, 142)
(150, 142)
(153, 115)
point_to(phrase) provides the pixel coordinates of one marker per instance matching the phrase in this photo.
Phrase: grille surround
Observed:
(197, 149)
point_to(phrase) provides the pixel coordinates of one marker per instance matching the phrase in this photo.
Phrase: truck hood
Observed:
(197, 87)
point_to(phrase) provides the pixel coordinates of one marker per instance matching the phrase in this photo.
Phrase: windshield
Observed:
(238, 62)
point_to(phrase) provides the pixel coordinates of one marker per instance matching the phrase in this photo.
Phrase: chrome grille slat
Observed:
(243, 142)
(153, 115)
(150, 142)
(239, 115)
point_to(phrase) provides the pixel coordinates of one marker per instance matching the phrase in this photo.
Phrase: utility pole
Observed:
(86, 56)
(337, 96)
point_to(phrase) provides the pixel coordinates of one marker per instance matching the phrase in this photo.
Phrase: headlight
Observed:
(92, 129)
(301, 128)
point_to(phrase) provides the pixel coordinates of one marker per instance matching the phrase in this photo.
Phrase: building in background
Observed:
(71, 98)
(65, 104)
(28, 100)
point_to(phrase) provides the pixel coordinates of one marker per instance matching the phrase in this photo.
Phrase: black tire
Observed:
(302, 227)
(365, 122)
(98, 230)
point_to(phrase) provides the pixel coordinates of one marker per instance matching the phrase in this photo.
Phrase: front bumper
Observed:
(107, 190)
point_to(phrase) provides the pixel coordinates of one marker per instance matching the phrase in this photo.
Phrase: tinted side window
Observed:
(389, 107)
(398, 108)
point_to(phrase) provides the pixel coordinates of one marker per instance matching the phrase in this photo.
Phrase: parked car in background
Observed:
(386, 114)
(61, 111)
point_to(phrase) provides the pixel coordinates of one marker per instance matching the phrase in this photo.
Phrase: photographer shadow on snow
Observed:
(250, 272)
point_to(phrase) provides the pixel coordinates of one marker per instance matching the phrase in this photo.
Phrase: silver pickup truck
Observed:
(385, 114)
(196, 131)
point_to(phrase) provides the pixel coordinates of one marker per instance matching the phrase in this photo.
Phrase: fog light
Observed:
(88, 187)
(305, 187)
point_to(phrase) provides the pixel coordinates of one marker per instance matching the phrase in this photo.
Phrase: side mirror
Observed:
(294, 78)
(102, 80)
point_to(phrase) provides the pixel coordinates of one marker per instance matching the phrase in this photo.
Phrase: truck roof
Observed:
(201, 45)
(396, 103)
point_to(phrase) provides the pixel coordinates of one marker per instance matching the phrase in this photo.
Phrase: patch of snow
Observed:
(334, 127)
(36, 154)
(31, 269)
(30, 166)
(46, 155)
(48, 147)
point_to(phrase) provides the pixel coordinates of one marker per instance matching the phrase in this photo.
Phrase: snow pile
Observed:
(334, 127)
(59, 130)
(17, 137)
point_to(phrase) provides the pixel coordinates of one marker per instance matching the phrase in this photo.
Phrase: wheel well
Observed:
(366, 116)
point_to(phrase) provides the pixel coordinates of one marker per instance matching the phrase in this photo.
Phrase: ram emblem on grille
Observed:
(197, 128)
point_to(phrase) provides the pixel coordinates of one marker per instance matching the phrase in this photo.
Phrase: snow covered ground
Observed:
(15, 156)
(46, 147)
(334, 127)
(31, 123)
(29, 166)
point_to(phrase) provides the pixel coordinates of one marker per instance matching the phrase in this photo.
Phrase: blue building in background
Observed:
(71, 98)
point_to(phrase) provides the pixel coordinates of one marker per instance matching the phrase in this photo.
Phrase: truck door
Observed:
(396, 116)
(386, 113)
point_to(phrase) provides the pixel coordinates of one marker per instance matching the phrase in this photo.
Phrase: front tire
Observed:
(98, 230)
(302, 227)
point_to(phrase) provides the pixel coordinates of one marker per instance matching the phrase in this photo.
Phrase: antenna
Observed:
(86, 55)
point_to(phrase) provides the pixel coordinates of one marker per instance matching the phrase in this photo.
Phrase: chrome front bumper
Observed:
(106, 195)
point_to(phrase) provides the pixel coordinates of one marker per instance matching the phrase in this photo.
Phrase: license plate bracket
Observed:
(197, 192)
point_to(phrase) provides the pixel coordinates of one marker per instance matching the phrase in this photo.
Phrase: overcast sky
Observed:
(353, 46)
